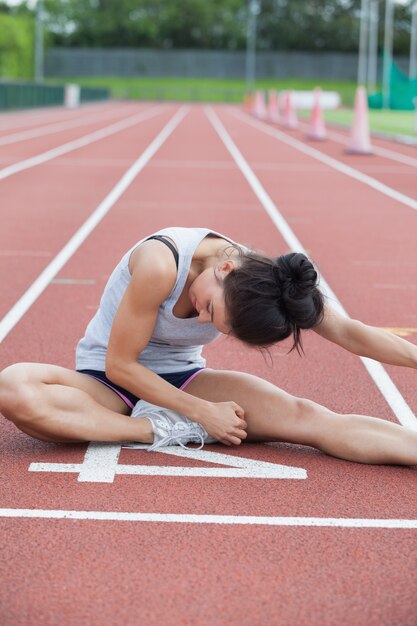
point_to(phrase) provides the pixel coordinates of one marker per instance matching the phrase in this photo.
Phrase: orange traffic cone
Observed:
(272, 111)
(259, 107)
(247, 102)
(360, 141)
(317, 129)
(290, 120)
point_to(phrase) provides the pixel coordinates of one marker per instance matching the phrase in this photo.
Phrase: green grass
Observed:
(213, 90)
(200, 89)
(390, 122)
(393, 122)
(181, 89)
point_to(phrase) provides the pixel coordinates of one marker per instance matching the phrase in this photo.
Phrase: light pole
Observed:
(373, 46)
(363, 39)
(39, 42)
(388, 46)
(413, 43)
(254, 8)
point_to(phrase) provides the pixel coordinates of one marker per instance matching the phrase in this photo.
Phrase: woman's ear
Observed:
(224, 268)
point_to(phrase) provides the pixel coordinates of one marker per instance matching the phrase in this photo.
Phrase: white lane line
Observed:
(378, 374)
(57, 127)
(281, 472)
(330, 161)
(395, 286)
(212, 165)
(101, 465)
(32, 294)
(384, 152)
(185, 518)
(92, 162)
(79, 143)
(26, 117)
(73, 281)
(25, 253)
(44, 116)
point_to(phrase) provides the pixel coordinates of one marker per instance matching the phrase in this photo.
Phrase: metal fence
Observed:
(25, 95)
(64, 62)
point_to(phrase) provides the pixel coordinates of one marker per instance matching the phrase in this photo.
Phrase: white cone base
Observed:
(359, 150)
(316, 136)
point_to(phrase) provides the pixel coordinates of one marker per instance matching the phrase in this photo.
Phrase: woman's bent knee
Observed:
(17, 392)
(308, 420)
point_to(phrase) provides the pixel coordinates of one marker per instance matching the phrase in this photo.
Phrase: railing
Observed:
(27, 95)
(14, 95)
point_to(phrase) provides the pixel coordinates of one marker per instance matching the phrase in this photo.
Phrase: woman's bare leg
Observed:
(274, 415)
(52, 403)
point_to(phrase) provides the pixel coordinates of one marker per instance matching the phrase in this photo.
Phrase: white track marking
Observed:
(73, 281)
(32, 294)
(378, 374)
(384, 152)
(100, 465)
(79, 143)
(57, 127)
(205, 165)
(24, 120)
(331, 162)
(100, 462)
(92, 162)
(184, 518)
(26, 117)
(408, 287)
(25, 253)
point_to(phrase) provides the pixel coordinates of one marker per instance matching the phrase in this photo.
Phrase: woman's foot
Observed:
(169, 427)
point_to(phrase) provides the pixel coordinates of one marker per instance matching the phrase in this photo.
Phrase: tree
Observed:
(16, 45)
(148, 23)
(215, 24)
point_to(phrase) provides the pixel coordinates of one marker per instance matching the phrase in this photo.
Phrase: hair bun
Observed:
(296, 273)
(268, 300)
(297, 278)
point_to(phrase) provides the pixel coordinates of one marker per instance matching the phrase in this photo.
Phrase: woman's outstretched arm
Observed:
(367, 341)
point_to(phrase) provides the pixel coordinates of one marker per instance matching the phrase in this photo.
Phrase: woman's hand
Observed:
(224, 421)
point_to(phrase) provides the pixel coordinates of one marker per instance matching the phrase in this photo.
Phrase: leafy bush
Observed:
(16, 46)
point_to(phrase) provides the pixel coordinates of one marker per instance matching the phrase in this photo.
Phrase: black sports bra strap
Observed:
(167, 243)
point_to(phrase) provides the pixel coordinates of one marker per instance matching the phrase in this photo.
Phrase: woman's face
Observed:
(207, 297)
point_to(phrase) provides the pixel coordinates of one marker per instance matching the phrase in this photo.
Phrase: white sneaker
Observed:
(171, 428)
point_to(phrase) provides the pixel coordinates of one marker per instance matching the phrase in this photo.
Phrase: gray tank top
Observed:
(176, 344)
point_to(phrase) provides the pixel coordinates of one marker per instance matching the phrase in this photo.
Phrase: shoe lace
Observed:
(176, 434)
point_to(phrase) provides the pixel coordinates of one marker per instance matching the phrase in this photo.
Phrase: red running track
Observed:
(205, 570)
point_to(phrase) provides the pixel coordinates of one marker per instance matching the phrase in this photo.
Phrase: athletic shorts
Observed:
(178, 379)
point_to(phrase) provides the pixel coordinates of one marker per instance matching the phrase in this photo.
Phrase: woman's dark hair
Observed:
(268, 300)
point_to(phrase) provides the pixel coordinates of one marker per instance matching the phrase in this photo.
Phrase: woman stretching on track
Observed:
(170, 294)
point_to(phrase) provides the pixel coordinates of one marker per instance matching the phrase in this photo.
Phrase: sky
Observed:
(13, 3)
